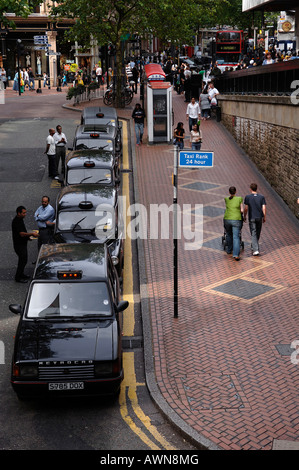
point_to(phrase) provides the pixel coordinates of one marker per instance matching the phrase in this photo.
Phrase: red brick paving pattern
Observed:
(217, 364)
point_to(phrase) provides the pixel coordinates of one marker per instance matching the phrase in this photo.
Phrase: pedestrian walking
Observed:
(45, 216)
(196, 137)
(135, 76)
(51, 153)
(60, 144)
(16, 80)
(255, 206)
(233, 222)
(20, 238)
(205, 104)
(213, 92)
(31, 79)
(138, 115)
(99, 75)
(192, 113)
(179, 135)
(26, 78)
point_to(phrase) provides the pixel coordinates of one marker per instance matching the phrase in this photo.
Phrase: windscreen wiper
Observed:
(77, 223)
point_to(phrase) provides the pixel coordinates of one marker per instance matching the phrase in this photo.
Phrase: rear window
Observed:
(89, 175)
(91, 143)
(68, 299)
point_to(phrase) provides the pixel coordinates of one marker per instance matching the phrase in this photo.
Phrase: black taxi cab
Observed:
(92, 136)
(104, 115)
(92, 167)
(89, 213)
(68, 339)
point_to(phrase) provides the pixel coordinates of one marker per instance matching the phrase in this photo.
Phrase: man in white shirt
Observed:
(99, 74)
(60, 143)
(213, 92)
(193, 113)
(51, 153)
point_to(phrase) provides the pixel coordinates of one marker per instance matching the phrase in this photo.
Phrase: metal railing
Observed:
(275, 79)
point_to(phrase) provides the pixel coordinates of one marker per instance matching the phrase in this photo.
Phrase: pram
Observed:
(224, 242)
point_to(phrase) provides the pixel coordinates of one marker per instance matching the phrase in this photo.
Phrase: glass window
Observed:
(88, 175)
(69, 299)
(84, 220)
(94, 144)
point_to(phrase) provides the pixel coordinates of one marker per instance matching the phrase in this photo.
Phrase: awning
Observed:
(269, 5)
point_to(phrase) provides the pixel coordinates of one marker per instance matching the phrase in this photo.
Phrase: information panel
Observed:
(193, 159)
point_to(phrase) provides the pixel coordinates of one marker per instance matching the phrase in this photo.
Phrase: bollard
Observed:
(218, 113)
(39, 89)
(58, 84)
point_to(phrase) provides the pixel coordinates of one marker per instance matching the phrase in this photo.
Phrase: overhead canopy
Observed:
(270, 5)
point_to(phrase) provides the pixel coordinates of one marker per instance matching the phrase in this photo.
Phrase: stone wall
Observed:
(267, 128)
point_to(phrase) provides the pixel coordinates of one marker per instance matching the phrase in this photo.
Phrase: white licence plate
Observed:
(66, 386)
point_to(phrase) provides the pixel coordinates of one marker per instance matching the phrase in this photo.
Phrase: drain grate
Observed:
(134, 342)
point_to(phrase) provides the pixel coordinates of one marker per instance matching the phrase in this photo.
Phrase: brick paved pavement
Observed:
(223, 366)
(222, 370)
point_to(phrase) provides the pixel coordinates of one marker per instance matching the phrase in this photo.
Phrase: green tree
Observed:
(21, 8)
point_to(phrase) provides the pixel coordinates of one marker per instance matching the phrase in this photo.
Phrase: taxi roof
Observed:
(104, 131)
(90, 259)
(101, 158)
(103, 112)
(71, 196)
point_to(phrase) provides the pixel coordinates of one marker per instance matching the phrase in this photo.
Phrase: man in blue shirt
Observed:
(44, 216)
(255, 205)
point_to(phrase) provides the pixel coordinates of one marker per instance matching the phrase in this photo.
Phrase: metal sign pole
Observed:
(175, 232)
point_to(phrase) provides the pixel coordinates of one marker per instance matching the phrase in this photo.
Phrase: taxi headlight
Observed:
(103, 368)
(28, 371)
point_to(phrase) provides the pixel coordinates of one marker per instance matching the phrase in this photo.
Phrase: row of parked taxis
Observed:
(68, 340)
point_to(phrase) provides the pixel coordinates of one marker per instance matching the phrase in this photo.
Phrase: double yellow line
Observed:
(148, 433)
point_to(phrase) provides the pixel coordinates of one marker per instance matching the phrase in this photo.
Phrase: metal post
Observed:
(175, 232)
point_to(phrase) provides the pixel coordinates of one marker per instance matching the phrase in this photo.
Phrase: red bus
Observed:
(229, 48)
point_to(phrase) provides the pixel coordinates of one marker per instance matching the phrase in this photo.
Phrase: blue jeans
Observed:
(192, 121)
(255, 227)
(139, 132)
(180, 145)
(196, 146)
(233, 230)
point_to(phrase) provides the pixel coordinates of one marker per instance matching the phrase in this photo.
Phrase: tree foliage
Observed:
(21, 8)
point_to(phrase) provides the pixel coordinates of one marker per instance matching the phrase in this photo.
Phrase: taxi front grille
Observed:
(66, 372)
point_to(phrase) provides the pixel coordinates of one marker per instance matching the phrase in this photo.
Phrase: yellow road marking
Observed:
(129, 384)
(129, 317)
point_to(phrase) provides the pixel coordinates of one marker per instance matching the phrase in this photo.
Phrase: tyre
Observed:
(108, 98)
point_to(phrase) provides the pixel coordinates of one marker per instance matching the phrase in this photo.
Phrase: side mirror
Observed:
(16, 308)
(122, 306)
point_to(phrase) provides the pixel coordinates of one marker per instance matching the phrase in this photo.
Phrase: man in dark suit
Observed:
(20, 238)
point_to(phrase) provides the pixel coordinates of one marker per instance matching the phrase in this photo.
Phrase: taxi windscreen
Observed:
(69, 299)
(90, 175)
(102, 220)
(90, 143)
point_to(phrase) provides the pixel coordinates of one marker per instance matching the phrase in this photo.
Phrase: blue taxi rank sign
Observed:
(194, 159)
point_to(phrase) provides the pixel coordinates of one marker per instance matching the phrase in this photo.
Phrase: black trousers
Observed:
(60, 154)
(22, 254)
(45, 236)
(52, 169)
